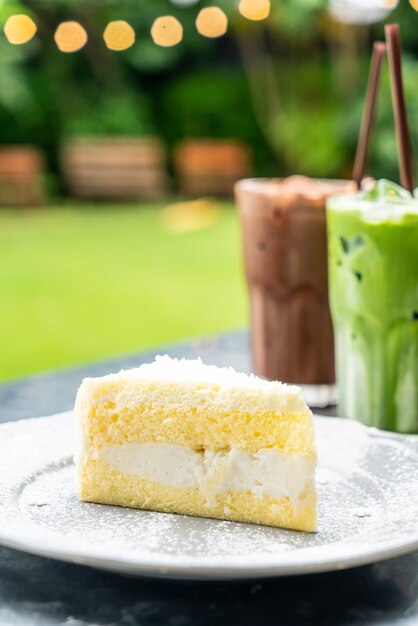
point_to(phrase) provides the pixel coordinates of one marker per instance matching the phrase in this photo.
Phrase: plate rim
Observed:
(170, 566)
(154, 567)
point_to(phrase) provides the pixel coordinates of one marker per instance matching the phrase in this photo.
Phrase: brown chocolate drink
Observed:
(285, 256)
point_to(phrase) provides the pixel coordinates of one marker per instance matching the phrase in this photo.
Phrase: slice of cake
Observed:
(184, 437)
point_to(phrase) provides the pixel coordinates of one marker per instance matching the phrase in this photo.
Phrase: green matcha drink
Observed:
(373, 271)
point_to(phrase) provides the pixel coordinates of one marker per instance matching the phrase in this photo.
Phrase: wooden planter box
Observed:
(22, 172)
(210, 166)
(119, 168)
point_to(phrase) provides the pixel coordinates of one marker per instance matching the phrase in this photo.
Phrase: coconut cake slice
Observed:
(179, 436)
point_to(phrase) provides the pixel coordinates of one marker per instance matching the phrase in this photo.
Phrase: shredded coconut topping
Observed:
(166, 369)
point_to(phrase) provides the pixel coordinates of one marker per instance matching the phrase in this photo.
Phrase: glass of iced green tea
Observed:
(373, 281)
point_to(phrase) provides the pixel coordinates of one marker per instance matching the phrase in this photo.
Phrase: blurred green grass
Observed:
(80, 283)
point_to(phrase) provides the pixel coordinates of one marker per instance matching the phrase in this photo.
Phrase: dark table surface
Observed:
(40, 591)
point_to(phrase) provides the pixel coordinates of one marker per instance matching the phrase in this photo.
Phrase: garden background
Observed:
(81, 280)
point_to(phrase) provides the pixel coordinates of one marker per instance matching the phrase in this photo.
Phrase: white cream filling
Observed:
(265, 473)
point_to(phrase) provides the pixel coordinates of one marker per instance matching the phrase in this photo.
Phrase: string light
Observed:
(70, 37)
(119, 35)
(19, 29)
(167, 31)
(255, 9)
(212, 22)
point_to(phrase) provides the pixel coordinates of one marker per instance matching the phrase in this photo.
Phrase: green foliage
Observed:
(316, 129)
(207, 104)
(213, 103)
(202, 87)
(14, 84)
(10, 7)
(122, 114)
(297, 17)
(312, 145)
(309, 130)
(15, 93)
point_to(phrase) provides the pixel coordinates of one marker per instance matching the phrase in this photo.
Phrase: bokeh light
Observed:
(414, 4)
(212, 22)
(167, 31)
(70, 37)
(119, 35)
(255, 9)
(389, 4)
(360, 12)
(19, 29)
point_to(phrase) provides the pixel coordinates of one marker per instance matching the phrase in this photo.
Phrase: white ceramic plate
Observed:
(368, 511)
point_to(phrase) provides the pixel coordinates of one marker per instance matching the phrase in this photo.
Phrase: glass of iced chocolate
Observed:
(373, 262)
(285, 258)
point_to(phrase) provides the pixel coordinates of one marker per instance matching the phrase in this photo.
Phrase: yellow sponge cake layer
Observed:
(183, 437)
(101, 483)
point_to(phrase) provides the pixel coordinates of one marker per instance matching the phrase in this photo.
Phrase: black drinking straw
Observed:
(399, 108)
(379, 51)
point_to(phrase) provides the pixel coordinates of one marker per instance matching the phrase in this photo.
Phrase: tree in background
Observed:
(292, 86)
